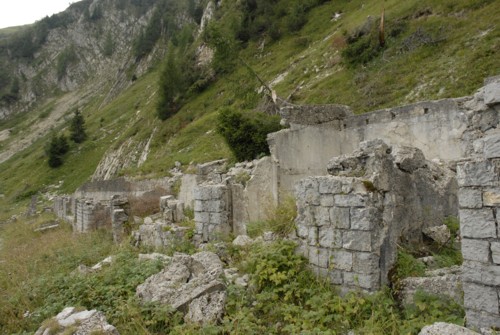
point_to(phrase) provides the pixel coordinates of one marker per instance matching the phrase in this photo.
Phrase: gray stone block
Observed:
(478, 223)
(470, 198)
(357, 240)
(329, 237)
(364, 218)
(326, 200)
(495, 252)
(335, 277)
(201, 216)
(481, 273)
(328, 185)
(480, 298)
(370, 282)
(492, 94)
(219, 218)
(480, 173)
(312, 236)
(366, 263)
(202, 193)
(340, 217)
(491, 197)
(477, 319)
(476, 250)
(319, 257)
(218, 191)
(311, 197)
(199, 206)
(215, 206)
(322, 216)
(341, 260)
(349, 200)
(492, 145)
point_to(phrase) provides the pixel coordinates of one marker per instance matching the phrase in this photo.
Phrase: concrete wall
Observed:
(436, 128)
(104, 190)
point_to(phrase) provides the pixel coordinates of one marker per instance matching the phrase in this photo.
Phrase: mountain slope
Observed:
(433, 49)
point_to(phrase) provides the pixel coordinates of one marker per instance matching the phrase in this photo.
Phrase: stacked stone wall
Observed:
(479, 201)
(339, 226)
(212, 211)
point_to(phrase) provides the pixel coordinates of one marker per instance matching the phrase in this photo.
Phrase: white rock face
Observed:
(86, 323)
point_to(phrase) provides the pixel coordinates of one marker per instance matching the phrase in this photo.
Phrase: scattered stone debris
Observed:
(83, 269)
(191, 284)
(233, 277)
(443, 328)
(71, 321)
(242, 241)
(48, 226)
(444, 282)
(440, 234)
(155, 256)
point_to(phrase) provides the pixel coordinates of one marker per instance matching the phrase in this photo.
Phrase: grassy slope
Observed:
(455, 66)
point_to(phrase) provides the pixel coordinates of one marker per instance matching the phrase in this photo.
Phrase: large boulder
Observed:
(442, 328)
(191, 284)
(78, 323)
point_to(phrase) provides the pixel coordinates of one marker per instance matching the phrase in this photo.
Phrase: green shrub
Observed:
(246, 134)
(77, 128)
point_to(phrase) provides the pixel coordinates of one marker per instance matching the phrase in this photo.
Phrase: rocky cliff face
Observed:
(93, 47)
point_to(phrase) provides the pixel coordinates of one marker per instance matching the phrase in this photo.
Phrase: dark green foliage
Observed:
(170, 87)
(77, 128)
(362, 45)
(148, 38)
(246, 135)
(64, 60)
(56, 150)
(226, 48)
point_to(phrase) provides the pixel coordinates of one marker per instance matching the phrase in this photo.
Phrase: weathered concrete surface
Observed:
(349, 224)
(305, 148)
(83, 322)
(252, 199)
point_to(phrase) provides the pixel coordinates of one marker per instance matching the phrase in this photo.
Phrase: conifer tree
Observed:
(57, 148)
(77, 128)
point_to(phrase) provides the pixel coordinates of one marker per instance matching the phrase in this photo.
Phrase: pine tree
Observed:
(77, 128)
(57, 148)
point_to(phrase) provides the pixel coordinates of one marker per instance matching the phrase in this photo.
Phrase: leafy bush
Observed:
(246, 134)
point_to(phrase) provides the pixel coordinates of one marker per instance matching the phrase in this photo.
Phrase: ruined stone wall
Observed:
(339, 226)
(479, 199)
(212, 211)
(349, 224)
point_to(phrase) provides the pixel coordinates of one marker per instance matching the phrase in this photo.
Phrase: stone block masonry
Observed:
(212, 211)
(479, 200)
(338, 224)
(349, 223)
